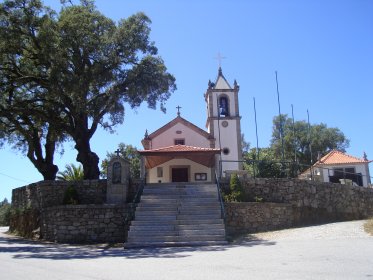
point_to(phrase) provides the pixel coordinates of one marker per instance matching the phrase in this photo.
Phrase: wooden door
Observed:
(180, 174)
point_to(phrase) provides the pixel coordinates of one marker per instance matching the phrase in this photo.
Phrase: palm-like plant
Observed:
(71, 173)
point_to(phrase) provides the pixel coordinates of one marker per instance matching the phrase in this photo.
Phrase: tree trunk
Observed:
(87, 158)
(44, 165)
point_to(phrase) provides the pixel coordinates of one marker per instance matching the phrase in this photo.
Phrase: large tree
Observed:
(26, 122)
(77, 69)
(301, 140)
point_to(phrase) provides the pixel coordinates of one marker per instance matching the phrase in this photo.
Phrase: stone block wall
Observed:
(251, 217)
(50, 193)
(85, 223)
(351, 202)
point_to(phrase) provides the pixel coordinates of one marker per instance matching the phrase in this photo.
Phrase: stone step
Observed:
(188, 189)
(177, 222)
(179, 186)
(179, 197)
(155, 205)
(184, 238)
(177, 215)
(181, 217)
(195, 200)
(173, 244)
(183, 232)
(183, 211)
(143, 227)
(170, 207)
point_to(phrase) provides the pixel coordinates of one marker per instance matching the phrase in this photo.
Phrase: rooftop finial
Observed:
(146, 136)
(365, 157)
(178, 110)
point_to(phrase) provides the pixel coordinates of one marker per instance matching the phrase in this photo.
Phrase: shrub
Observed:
(71, 196)
(236, 193)
(4, 214)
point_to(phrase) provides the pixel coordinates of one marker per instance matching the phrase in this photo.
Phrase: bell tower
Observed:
(224, 121)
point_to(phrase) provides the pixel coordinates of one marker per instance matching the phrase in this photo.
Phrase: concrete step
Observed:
(177, 222)
(184, 238)
(176, 227)
(184, 211)
(177, 215)
(194, 200)
(186, 190)
(181, 217)
(176, 207)
(173, 244)
(186, 232)
(180, 196)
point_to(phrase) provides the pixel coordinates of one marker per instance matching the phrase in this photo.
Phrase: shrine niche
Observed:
(118, 173)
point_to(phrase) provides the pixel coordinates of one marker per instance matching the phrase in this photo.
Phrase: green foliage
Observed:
(299, 139)
(71, 173)
(71, 196)
(268, 162)
(127, 152)
(63, 75)
(5, 213)
(262, 164)
(258, 199)
(236, 192)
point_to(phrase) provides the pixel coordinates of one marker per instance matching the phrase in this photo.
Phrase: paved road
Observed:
(334, 251)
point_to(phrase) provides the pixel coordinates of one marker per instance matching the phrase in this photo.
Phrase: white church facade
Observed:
(180, 151)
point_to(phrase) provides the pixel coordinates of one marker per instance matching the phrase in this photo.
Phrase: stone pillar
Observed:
(118, 174)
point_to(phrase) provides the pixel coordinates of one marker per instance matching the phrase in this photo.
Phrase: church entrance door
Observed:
(180, 174)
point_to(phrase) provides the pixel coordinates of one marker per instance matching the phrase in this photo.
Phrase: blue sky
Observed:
(322, 50)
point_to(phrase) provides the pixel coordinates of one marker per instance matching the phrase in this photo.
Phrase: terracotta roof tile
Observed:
(337, 157)
(181, 148)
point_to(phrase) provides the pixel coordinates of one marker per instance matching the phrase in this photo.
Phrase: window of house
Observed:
(179, 141)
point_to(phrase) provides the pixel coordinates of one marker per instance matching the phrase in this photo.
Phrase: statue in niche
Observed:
(117, 173)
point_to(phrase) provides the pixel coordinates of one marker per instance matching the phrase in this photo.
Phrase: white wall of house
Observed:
(166, 167)
(328, 170)
(167, 138)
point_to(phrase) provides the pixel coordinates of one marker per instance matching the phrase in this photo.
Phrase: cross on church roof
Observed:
(178, 110)
(117, 152)
(219, 57)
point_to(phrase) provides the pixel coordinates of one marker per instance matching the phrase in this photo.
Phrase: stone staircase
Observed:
(178, 214)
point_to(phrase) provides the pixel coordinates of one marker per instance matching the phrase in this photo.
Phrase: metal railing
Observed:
(220, 194)
(136, 199)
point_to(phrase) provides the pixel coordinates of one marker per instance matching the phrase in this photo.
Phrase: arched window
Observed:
(223, 106)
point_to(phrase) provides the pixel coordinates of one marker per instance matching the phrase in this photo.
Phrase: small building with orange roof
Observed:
(339, 167)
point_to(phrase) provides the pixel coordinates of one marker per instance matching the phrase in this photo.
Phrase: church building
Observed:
(180, 151)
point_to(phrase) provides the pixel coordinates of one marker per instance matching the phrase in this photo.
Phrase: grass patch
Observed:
(368, 226)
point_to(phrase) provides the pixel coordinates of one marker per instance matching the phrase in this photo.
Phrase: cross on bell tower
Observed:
(219, 58)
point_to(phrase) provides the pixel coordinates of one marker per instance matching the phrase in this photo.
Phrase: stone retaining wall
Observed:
(333, 200)
(85, 223)
(50, 193)
(250, 217)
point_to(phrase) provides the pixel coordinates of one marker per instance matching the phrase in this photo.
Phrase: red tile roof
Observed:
(180, 148)
(336, 157)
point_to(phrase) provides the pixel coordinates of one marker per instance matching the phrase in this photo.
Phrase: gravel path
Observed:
(342, 230)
